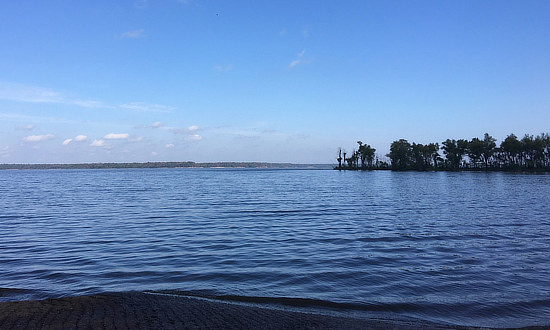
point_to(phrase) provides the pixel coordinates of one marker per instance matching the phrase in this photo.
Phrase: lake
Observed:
(467, 248)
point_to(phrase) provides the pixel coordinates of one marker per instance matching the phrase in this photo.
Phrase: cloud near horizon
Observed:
(78, 138)
(116, 136)
(186, 130)
(38, 138)
(193, 137)
(98, 143)
(146, 107)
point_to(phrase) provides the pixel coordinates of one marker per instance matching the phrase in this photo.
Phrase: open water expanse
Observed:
(465, 248)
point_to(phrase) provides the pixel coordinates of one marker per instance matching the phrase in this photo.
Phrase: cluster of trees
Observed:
(362, 158)
(513, 154)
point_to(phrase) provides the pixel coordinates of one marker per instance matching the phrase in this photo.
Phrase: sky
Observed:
(269, 81)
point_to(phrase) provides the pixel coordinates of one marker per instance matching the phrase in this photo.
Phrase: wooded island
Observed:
(527, 154)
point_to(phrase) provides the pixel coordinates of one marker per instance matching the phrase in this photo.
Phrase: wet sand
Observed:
(136, 310)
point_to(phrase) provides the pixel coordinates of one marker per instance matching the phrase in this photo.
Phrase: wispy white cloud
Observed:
(258, 130)
(38, 138)
(293, 64)
(116, 136)
(298, 59)
(155, 125)
(190, 132)
(134, 34)
(98, 143)
(89, 104)
(223, 68)
(41, 119)
(282, 32)
(193, 137)
(146, 107)
(80, 138)
(305, 32)
(18, 92)
(32, 94)
(186, 130)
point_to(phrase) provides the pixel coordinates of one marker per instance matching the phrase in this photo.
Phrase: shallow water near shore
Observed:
(463, 248)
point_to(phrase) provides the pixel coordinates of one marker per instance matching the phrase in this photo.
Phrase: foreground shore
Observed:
(136, 310)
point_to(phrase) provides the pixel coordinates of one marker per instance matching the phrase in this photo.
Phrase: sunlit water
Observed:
(465, 248)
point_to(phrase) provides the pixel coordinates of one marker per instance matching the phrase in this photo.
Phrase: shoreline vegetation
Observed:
(529, 154)
(188, 164)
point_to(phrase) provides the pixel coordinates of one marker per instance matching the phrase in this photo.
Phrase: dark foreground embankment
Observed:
(136, 310)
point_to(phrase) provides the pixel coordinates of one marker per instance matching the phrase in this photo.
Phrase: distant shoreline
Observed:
(188, 164)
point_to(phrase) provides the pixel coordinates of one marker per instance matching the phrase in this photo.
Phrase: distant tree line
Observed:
(160, 165)
(530, 153)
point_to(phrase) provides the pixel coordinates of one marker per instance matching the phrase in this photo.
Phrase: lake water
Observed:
(466, 248)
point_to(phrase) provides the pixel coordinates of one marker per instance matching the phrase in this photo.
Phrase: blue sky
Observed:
(276, 81)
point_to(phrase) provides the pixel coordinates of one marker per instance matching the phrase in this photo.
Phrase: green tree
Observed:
(546, 150)
(418, 152)
(539, 151)
(454, 152)
(366, 155)
(425, 156)
(361, 153)
(475, 151)
(489, 146)
(352, 160)
(528, 151)
(400, 154)
(511, 150)
(434, 148)
(368, 151)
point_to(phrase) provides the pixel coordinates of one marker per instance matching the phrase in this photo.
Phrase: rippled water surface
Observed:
(466, 248)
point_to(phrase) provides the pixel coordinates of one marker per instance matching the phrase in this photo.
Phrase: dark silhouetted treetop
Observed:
(531, 153)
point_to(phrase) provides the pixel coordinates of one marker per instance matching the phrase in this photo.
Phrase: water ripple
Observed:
(468, 248)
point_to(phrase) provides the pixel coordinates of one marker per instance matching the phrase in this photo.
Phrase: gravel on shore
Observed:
(137, 310)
